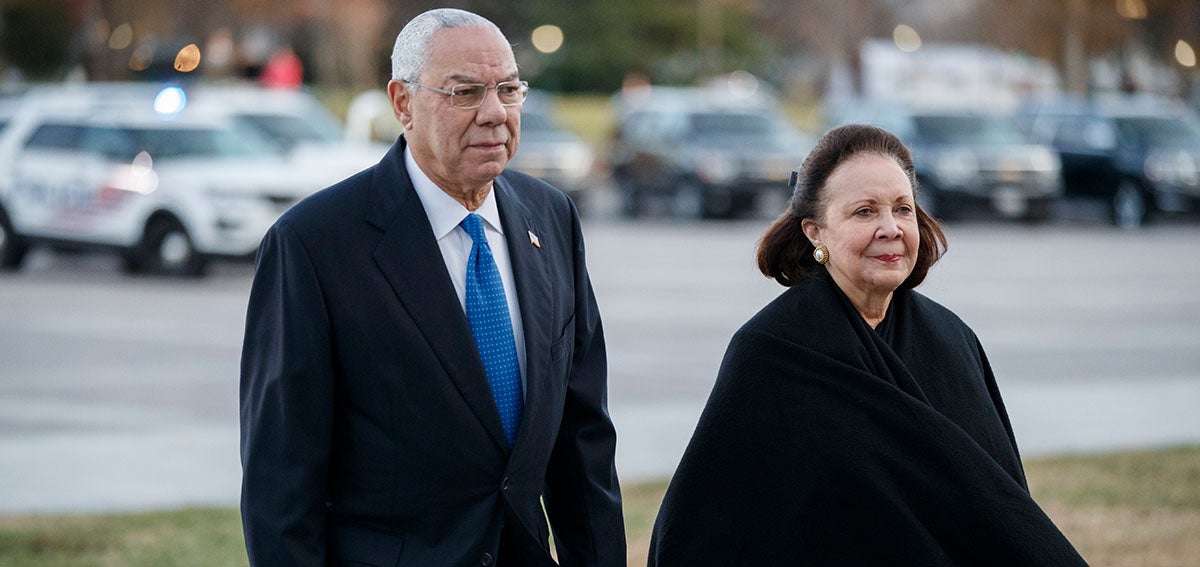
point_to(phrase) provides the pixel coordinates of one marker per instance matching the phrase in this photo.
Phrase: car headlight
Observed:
(716, 168)
(1158, 169)
(956, 167)
(1187, 169)
(1172, 168)
(576, 161)
(1042, 159)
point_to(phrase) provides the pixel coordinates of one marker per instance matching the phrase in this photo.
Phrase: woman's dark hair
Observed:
(785, 253)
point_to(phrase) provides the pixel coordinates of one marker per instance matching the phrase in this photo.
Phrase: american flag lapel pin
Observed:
(533, 239)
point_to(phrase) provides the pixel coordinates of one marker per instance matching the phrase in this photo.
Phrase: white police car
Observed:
(295, 121)
(130, 169)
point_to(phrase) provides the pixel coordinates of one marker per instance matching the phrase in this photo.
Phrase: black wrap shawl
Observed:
(827, 442)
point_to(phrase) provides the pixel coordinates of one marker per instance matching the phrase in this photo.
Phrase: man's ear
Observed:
(401, 99)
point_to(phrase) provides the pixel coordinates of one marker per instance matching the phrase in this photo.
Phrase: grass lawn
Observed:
(1129, 509)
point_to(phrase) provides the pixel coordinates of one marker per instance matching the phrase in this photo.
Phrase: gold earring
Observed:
(821, 254)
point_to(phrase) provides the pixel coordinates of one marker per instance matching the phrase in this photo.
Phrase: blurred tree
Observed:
(606, 39)
(1067, 33)
(832, 29)
(348, 42)
(37, 37)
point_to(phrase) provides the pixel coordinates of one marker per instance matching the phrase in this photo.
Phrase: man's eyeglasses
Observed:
(510, 93)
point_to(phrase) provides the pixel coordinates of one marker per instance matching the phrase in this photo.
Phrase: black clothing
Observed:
(370, 435)
(827, 442)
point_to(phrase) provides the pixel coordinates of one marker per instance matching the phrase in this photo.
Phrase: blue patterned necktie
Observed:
(487, 311)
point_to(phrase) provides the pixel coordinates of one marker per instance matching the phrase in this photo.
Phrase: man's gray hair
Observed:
(412, 44)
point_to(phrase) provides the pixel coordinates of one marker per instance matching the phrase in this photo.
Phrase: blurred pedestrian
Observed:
(854, 421)
(283, 70)
(424, 363)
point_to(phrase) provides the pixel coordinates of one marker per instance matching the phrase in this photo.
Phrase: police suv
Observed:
(129, 168)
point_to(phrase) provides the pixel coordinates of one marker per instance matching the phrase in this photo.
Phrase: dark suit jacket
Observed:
(369, 433)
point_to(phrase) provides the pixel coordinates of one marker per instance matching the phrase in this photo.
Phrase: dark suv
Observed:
(966, 159)
(1138, 157)
(705, 158)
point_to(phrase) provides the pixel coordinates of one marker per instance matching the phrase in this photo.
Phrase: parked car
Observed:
(131, 169)
(1140, 157)
(967, 159)
(8, 107)
(552, 153)
(297, 122)
(704, 155)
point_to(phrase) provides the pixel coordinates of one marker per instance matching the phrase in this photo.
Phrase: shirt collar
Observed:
(443, 211)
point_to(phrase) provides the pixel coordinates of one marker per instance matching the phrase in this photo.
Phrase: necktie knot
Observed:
(473, 224)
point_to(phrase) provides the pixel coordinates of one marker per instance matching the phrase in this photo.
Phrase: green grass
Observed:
(177, 538)
(1168, 479)
(589, 116)
(1131, 508)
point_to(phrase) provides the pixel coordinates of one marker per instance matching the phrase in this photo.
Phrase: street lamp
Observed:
(906, 38)
(547, 38)
(1132, 9)
(1184, 54)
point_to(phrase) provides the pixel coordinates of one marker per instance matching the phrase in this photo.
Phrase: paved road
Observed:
(120, 392)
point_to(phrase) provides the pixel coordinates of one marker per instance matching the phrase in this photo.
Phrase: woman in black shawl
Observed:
(854, 421)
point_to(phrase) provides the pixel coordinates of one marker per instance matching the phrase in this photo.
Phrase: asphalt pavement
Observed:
(120, 392)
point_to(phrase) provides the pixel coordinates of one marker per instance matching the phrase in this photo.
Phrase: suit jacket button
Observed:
(504, 484)
(486, 559)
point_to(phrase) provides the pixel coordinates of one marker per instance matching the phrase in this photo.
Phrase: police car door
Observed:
(52, 182)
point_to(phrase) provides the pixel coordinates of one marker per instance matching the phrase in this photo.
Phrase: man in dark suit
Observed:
(385, 421)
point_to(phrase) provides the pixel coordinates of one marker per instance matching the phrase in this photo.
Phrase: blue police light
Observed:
(170, 101)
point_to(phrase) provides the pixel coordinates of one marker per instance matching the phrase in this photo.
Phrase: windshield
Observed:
(966, 130)
(1159, 131)
(532, 121)
(123, 144)
(743, 125)
(731, 125)
(288, 131)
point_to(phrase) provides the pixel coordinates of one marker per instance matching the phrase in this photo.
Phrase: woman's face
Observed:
(869, 224)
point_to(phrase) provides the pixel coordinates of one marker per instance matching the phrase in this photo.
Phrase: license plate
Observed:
(1009, 201)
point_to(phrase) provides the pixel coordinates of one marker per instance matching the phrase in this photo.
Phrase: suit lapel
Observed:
(409, 257)
(532, 280)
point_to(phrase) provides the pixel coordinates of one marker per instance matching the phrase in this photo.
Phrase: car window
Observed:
(122, 144)
(966, 130)
(647, 127)
(890, 118)
(532, 121)
(116, 144)
(56, 137)
(1041, 128)
(1086, 133)
(1159, 131)
(166, 144)
(288, 131)
(729, 124)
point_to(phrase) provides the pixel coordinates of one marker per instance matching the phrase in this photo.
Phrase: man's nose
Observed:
(491, 112)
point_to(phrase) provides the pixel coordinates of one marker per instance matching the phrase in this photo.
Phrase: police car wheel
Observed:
(12, 248)
(166, 249)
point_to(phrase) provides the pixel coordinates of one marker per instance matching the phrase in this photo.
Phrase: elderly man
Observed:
(424, 365)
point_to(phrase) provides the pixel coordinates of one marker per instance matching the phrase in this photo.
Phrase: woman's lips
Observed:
(889, 258)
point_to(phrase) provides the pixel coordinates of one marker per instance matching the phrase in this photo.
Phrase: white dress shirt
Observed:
(445, 214)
